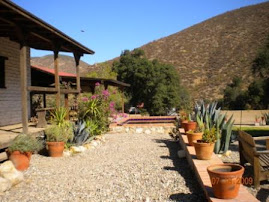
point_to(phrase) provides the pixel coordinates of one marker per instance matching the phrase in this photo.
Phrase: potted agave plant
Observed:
(204, 147)
(196, 134)
(225, 179)
(21, 149)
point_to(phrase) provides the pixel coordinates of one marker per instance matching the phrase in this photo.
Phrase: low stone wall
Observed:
(146, 129)
(245, 117)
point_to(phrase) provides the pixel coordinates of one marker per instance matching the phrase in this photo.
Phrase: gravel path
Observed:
(124, 168)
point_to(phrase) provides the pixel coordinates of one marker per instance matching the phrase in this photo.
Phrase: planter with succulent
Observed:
(21, 149)
(204, 147)
(197, 133)
(58, 133)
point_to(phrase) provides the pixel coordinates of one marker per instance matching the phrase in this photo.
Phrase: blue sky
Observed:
(111, 26)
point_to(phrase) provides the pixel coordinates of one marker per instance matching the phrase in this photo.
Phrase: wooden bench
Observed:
(259, 159)
(41, 115)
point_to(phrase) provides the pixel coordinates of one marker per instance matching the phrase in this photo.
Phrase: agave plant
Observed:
(214, 119)
(81, 133)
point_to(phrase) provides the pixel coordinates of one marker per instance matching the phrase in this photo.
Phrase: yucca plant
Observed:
(59, 116)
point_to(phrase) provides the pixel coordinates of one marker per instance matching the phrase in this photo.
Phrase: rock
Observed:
(4, 184)
(147, 131)
(9, 172)
(94, 143)
(87, 146)
(66, 153)
(139, 130)
(181, 154)
(77, 149)
(227, 153)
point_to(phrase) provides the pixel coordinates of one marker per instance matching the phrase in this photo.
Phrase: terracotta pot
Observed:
(225, 179)
(182, 122)
(194, 136)
(20, 160)
(55, 149)
(191, 125)
(203, 150)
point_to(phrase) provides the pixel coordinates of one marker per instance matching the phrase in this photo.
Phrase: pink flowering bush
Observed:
(97, 108)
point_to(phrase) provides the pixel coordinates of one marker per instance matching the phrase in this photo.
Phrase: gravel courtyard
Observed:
(124, 168)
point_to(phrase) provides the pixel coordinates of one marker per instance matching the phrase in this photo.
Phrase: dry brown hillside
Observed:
(208, 55)
(66, 63)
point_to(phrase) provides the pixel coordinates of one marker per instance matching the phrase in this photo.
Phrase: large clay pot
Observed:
(225, 179)
(203, 150)
(55, 149)
(21, 160)
(190, 125)
(194, 136)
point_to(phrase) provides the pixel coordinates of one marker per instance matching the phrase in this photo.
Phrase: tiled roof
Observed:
(51, 71)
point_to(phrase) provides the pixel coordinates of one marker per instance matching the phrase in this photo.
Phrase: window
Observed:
(2, 72)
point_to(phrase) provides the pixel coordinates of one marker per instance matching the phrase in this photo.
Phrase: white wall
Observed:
(10, 98)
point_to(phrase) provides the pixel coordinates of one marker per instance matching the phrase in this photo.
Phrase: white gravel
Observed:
(125, 168)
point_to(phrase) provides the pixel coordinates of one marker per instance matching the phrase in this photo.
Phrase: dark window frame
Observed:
(3, 71)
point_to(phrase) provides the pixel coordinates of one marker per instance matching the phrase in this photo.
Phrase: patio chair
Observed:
(258, 159)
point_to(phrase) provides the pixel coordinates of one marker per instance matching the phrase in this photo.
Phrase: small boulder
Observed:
(77, 149)
(4, 184)
(139, 130)
(148, 131)
(87, 146)
(9, 172)
(66, 153)
(181, 154)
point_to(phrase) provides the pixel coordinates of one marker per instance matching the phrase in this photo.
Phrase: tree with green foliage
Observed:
(234, 96)
(152, 83)
(261, 63)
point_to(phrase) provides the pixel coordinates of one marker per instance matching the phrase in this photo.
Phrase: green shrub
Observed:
(59, 133)
(25, 143)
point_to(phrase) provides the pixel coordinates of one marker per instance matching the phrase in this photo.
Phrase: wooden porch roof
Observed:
(25, 28)
(43, 76)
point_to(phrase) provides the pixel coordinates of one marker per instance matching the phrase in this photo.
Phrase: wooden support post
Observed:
(44, 100)
(77, 59)
(31, 104)
(66, 105)
(57, 80)
(106, 85)
(23, 71)
(122, 102)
